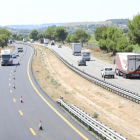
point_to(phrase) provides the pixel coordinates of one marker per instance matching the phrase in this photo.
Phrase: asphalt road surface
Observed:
(94, 68)
(20, 121)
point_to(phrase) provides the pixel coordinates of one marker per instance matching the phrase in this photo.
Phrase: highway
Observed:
(20, 121)
(94, 68)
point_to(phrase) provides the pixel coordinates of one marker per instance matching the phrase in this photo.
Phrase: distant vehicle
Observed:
(59, 46)
(6, 57)
(76, 48)
(86, 55)
(46, 41)
(14, 55)
(52, 43)
(24, 39)
(128, 65)
(10, 41)
(81, 62)
(32, 40)
(20, 49)
(41, 40)
(107, 72)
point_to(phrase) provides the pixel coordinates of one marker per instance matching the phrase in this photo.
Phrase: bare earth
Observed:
(57, 80)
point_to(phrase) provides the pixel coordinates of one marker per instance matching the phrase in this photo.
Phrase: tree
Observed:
(40, 35)
(134, 33)
(74, 39)
(61, 34)
(98, 32)
(3, 40)
(6, 32)
(49, 33)
(82, 36)
(68, 39)
(33, 34)
(102, 44)
(14, 36)
(125, 30)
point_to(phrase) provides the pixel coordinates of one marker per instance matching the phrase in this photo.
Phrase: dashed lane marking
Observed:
(11, 91)
(9, 78)
(14, 100)
(9, 84)
(32, 131)
(84, 137)
(20, 112)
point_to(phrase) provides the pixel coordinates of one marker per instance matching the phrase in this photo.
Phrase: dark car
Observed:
(59, 46)
(81, 62)
(52, 43)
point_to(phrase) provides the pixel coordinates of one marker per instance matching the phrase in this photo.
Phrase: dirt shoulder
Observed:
(57, 80)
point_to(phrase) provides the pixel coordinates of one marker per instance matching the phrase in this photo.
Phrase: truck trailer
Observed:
(76, 48)
(41, 40)
(24, 39)
(6, 57)
(128, 65)
(86, 55)
(45, 41)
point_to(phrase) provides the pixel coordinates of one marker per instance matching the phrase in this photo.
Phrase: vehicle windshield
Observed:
(82, 60)
(20, 48)
(108, 69)
(6, 56)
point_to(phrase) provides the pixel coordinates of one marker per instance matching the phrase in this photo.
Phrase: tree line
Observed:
(112, 39)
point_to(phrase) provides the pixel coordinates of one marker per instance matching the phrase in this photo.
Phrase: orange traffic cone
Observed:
(21, 99)
(40, 125)
(14, 70)
(13, 85)
(14, 77)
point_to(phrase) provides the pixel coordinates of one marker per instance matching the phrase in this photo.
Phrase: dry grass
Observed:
(57, 80)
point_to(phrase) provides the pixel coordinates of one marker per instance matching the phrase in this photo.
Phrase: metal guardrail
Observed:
(97, 127)
(106, 85)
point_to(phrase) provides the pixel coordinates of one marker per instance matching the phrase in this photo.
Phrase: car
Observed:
(59, 46)
(14, 55)
(81, 62)
(107, 71)
(52, 43)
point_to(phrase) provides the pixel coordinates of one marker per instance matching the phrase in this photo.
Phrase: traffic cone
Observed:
(13, 85)
(14, 77)
(21, 99)
(14, 70)
(18, 62)
(40, 125)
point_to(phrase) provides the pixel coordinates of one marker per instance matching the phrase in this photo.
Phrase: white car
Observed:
(107, 72)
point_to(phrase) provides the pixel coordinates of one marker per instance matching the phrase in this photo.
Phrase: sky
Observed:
(14, 12)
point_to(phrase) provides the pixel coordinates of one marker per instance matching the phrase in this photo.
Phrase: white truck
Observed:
(86, 55)
(6, 57)
(24, 39)
(128, 65)
(107, 71)
(32, 40)
(45, 41)
(76, 48)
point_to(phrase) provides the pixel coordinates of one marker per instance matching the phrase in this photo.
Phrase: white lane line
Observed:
(100, 63)
(128, 82)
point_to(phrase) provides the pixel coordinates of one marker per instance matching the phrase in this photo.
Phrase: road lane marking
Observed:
(20, 112)
(9, 84)
(11, 91)
(50, 104)
(32, 131)
(9, 78)
(128, 82)
(11, 71)
(10, 74)
(14, 100)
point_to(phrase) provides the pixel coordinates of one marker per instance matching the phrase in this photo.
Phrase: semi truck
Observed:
(32, 40)
(86, 55)
(24, 39)
(6, 57)
(127, 65)
(41, 40)
(76, 48)
(45, 41)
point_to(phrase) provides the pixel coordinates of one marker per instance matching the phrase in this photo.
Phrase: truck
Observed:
(107, 72)
(32, 40)
(76, 48)
(85, 55)
(24, 39)
(6, 57)
(20, 49)
(127, 65)
(41, 40)
(45, 41)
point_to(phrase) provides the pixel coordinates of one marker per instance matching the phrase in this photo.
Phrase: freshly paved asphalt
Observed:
(17, 125)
